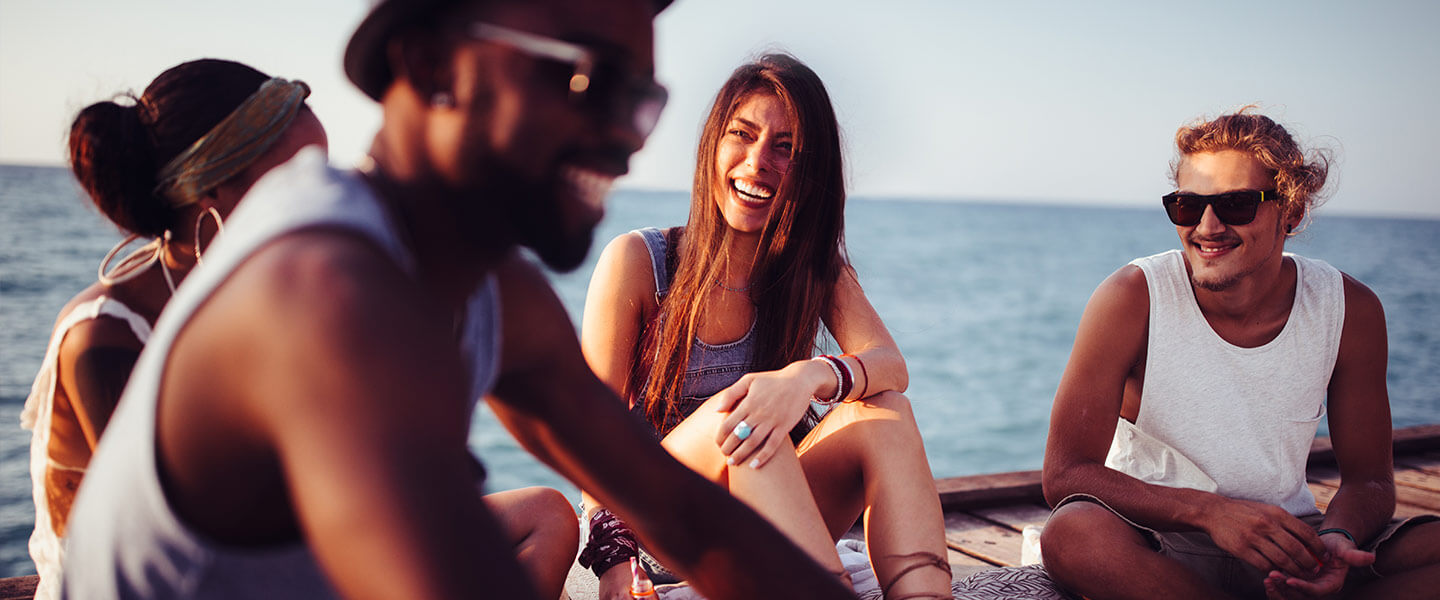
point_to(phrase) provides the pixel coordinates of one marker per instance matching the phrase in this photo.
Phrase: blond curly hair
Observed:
(1299, 175)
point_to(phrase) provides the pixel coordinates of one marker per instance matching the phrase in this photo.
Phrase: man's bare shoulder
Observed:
(1360, 300)
(323, 301)
(1112, 335)
(1124, 292)
(1363, 336)
(326, 274)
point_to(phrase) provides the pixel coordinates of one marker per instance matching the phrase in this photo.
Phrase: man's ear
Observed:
(1294, 219)
(424, 63)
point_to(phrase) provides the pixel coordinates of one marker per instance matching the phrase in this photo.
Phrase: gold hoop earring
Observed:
(136, 262)
(199, 219)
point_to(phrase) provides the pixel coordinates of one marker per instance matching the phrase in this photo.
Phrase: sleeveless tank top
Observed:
(712, 367)
(125, 539)
(1244, 416)
(45, 546)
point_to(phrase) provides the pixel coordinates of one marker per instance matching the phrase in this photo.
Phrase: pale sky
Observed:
(1001, 100)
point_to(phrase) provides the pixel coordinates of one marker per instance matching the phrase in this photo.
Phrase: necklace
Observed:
(739, 290)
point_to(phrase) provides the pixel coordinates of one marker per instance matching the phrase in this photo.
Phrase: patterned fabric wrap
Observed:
(611, 543)
(234, 143)
(1010, 582)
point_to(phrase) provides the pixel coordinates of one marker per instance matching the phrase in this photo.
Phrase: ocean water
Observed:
(983, 299)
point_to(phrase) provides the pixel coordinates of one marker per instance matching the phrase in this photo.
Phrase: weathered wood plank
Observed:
(16, 588)
(1407, 474)
(982, 539)
(1427, 463)
(996, 489)
(1324, 493)
(1406, 440)
(961, 559)
(1422, 499)
(1016, 516)
(963, 565)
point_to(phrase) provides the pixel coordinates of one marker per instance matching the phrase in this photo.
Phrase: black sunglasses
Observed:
(1232, 208)
(628, 97)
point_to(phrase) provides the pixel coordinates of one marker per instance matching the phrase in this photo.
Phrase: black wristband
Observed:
(1339, 531)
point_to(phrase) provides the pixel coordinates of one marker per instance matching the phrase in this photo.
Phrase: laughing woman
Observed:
(710, 330)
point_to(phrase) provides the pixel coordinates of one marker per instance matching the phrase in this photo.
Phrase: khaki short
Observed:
(1199, 553)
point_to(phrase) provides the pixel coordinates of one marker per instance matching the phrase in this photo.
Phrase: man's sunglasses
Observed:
(1232, 208)
(593, 83)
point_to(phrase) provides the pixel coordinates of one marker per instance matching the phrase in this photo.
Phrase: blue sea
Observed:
(982, 296)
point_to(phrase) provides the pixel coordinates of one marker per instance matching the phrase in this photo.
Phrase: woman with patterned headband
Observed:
(167, 167)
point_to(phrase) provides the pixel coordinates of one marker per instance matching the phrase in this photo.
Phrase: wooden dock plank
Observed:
(1431, 461)
(963, 565)
(982, 539)
(1422, 499)
(1324, 493)
(978, 491)
(1408, 440)
(1016, 517)
(1428, 463)
(1408, 475)
(16, 588)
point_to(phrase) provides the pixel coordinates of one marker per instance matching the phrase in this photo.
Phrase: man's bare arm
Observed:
(1359, 418)
(561, 412)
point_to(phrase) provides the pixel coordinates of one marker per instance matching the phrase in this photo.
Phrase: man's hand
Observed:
(1341, 554)
(1264, 536)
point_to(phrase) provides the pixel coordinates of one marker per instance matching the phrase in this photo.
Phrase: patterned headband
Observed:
(234, 144)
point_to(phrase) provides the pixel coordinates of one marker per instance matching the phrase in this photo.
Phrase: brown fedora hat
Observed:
(365, 62)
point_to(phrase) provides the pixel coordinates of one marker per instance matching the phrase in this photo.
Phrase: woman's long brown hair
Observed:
(801, 250)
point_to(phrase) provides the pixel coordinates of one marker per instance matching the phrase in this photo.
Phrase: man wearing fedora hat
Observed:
(298, 425)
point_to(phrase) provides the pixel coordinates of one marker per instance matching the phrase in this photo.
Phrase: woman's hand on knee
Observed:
(763, 408)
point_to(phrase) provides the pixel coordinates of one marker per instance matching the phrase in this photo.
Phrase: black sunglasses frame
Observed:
(1232, 208)
(615, 95)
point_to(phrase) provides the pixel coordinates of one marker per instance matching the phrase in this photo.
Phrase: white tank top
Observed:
(1245, 416)
(45, 547)
(124, 539)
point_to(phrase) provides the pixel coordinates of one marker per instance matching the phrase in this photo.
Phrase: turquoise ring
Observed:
(742, 430)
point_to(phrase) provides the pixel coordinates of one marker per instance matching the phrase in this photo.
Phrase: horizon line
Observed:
(1029, 201)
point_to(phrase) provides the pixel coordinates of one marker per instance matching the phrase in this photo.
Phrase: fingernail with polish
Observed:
(755, 464)
(730, 461)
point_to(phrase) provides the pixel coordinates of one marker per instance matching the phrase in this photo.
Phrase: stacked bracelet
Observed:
(865, 390)
(844, 380)
(838, 380)
(611, 543)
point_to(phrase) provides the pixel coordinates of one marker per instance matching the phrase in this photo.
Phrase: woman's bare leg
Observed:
(545, 531)
(868, 456)
(778, 490)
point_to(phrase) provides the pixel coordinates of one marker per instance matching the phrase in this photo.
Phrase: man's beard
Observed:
(539, 221)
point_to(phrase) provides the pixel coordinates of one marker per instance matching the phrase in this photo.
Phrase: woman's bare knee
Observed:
(692, 442)
(526, 512)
